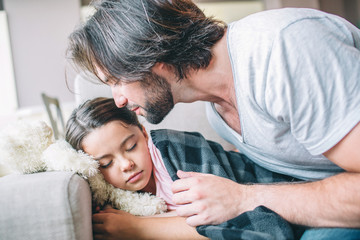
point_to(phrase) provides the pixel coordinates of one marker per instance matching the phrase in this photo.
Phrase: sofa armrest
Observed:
(48, 205)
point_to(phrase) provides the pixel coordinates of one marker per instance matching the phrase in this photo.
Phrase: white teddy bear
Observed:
(29, 148)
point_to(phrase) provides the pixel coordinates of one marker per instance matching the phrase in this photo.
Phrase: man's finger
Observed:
(182, 174)
(181, 185)
(187, 210)
(183, 197)
(195, 221)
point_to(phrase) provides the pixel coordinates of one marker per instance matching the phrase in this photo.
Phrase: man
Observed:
(283, 86)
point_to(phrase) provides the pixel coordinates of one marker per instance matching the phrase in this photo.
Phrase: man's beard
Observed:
(159, 99)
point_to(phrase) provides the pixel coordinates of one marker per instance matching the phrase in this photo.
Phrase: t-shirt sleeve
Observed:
(313, 81)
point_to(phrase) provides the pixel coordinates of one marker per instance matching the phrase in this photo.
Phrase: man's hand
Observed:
(331, 202)
(208, 199)
(113, 224)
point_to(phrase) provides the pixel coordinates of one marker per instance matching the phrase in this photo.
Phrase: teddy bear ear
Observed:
(60, 156)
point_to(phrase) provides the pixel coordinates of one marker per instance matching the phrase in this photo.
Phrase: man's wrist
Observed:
(248, 199)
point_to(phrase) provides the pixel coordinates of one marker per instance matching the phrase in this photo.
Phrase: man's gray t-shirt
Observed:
(297, 81)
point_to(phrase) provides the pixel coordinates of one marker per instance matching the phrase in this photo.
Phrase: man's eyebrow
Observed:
(121, 145)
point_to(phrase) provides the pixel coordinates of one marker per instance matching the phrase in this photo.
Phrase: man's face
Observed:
(151, 98)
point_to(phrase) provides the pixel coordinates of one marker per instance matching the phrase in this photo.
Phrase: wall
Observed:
(229, 11)
(8, 97)
(38, 32)
(271, 4)
(348, 9)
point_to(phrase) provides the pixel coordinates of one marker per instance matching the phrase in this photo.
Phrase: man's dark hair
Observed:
(125, 38)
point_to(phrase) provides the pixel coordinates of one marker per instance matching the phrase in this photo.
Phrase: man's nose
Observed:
(119, 99)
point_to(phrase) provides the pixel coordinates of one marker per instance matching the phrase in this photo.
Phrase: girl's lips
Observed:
(135, 177)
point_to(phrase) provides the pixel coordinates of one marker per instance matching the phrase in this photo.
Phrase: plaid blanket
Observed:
(190, 151)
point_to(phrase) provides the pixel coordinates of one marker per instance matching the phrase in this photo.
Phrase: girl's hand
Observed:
(96, 208)
(114, 224)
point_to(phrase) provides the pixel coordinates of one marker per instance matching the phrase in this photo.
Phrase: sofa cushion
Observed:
(48, 205)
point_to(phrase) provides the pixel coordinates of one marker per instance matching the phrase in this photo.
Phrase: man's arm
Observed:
(116, 224)
(346, 153)
(337, 198)
(331, 202)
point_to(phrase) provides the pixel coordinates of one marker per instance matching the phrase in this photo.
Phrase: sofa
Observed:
(43, 206)
(57, 205)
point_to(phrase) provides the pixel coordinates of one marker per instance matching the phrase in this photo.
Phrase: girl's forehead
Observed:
(111, 130)
(109, 135)
(118, 125)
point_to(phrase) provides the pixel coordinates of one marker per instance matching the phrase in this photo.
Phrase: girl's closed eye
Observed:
(105, 164)
(132, 147)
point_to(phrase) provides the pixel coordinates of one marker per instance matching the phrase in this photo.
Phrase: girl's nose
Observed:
(126, 164)
(119, 99)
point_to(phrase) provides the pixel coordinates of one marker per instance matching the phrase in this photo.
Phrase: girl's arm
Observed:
(115, 224)
(167, 214)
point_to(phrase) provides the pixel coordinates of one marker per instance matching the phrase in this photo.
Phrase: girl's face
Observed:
(123, 155)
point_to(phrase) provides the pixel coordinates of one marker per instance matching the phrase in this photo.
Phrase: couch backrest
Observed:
(185, 116)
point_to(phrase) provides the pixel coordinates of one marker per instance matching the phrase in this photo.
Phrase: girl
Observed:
(130, 159)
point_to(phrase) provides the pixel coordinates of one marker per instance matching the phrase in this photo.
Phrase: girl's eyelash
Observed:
(105, 166)
(132, 148)
(127, 150)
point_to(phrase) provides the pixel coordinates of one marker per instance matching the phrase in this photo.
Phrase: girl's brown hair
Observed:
(93, 114)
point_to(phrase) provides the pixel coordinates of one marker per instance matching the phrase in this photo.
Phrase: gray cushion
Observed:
(48, 205)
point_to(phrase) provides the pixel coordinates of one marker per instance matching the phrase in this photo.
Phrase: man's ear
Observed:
(163, 70)
(158, 67)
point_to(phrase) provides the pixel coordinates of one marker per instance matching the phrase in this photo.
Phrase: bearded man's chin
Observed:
(158, 116)
(154, 119)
